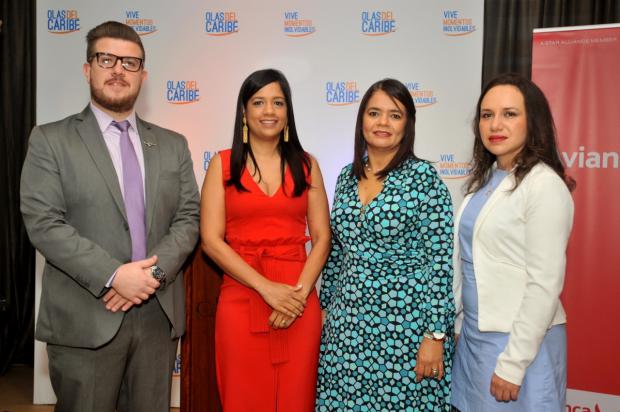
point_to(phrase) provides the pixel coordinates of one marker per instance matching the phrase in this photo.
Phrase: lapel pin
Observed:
(149, 144)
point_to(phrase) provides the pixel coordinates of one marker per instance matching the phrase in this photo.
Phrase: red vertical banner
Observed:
(578, 68)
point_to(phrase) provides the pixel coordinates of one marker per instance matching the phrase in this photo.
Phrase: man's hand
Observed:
(114, 301)
(133, 281)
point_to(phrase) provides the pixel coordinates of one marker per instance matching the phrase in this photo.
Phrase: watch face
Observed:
(158, 273)
(439, 335)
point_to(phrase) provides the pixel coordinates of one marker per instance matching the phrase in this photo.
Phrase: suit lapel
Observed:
(89, 132)
(151, 150)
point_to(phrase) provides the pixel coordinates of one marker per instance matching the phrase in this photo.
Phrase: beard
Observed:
(116, 105)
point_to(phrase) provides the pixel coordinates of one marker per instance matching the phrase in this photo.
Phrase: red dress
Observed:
(259, 368)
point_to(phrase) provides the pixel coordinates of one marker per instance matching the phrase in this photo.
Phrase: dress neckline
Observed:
(260, 190)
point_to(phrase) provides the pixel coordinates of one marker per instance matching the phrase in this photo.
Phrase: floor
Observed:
(16, 392)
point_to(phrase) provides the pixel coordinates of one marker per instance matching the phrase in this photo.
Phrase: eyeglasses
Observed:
(108, 61)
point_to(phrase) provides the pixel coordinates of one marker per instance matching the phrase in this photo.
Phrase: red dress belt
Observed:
(265, 261)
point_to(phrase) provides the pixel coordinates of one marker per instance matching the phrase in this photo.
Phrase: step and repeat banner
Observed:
(577, 68)
(199, 52)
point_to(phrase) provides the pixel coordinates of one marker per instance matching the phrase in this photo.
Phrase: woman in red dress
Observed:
(258, 198)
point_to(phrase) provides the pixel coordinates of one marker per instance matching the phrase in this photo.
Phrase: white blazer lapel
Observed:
(505, 186)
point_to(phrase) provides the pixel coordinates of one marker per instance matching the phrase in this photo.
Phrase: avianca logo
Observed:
(579, 408)
(591, 160)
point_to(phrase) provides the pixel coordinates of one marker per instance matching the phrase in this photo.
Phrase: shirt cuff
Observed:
(109, 283)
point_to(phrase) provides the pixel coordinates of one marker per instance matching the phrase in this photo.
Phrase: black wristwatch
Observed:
(159, 275)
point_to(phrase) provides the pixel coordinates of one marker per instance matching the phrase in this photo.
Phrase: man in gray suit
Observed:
(111, 202)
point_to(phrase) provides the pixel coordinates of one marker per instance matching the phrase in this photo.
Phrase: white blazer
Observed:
(519, 253)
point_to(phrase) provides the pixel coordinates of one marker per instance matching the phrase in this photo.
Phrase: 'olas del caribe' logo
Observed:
(62, 21)
(182, 91)
(421, 97)
(295, 26)
(207, 155)
(141, 25)
(341, 93)
(221, 23)
(455, 25)
(176, 369)
(378, 23)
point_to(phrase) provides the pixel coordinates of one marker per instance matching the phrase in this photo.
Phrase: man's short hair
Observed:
(111, 29)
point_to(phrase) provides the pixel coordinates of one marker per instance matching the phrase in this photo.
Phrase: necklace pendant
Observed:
(361, 216)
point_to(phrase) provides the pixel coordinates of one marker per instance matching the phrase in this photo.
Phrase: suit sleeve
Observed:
(43, 208)
(548, 222)
(173, 249)
(435, 226)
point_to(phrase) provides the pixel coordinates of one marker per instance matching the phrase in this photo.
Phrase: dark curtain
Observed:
(508, 25)
(198, 380)
(17, 117)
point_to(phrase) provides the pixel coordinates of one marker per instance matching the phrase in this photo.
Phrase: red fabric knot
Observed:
(264, 260)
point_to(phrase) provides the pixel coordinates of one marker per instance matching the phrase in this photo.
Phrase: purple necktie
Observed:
(134, 193)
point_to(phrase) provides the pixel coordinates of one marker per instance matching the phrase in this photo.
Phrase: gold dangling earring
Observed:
(286, 134)
(245, 130)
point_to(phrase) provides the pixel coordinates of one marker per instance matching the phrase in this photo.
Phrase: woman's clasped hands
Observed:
(288, 302)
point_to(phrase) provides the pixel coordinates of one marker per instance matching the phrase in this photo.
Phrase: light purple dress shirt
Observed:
(112, 138)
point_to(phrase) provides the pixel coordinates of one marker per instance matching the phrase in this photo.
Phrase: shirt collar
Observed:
(104, 120)
(495, 167)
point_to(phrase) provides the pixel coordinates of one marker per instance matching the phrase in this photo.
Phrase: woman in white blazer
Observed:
(510, 254)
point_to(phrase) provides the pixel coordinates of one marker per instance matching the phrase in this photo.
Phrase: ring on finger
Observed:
(435, 372)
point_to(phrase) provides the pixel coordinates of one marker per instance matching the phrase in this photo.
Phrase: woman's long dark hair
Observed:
(540, 142)
(397, 91)
(291, 152)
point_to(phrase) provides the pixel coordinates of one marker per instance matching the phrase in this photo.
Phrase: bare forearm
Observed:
(279, 296)
(232, 264)
(314, 264)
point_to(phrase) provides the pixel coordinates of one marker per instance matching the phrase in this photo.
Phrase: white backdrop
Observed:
(198, 53)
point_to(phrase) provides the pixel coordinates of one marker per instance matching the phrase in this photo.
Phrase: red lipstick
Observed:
(496, 138)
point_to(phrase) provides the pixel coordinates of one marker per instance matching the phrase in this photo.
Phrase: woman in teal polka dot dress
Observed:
(386, 289)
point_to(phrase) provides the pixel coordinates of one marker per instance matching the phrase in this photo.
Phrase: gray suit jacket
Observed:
(74, 213)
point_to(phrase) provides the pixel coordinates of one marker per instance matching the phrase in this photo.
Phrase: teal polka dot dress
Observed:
(387, 280)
